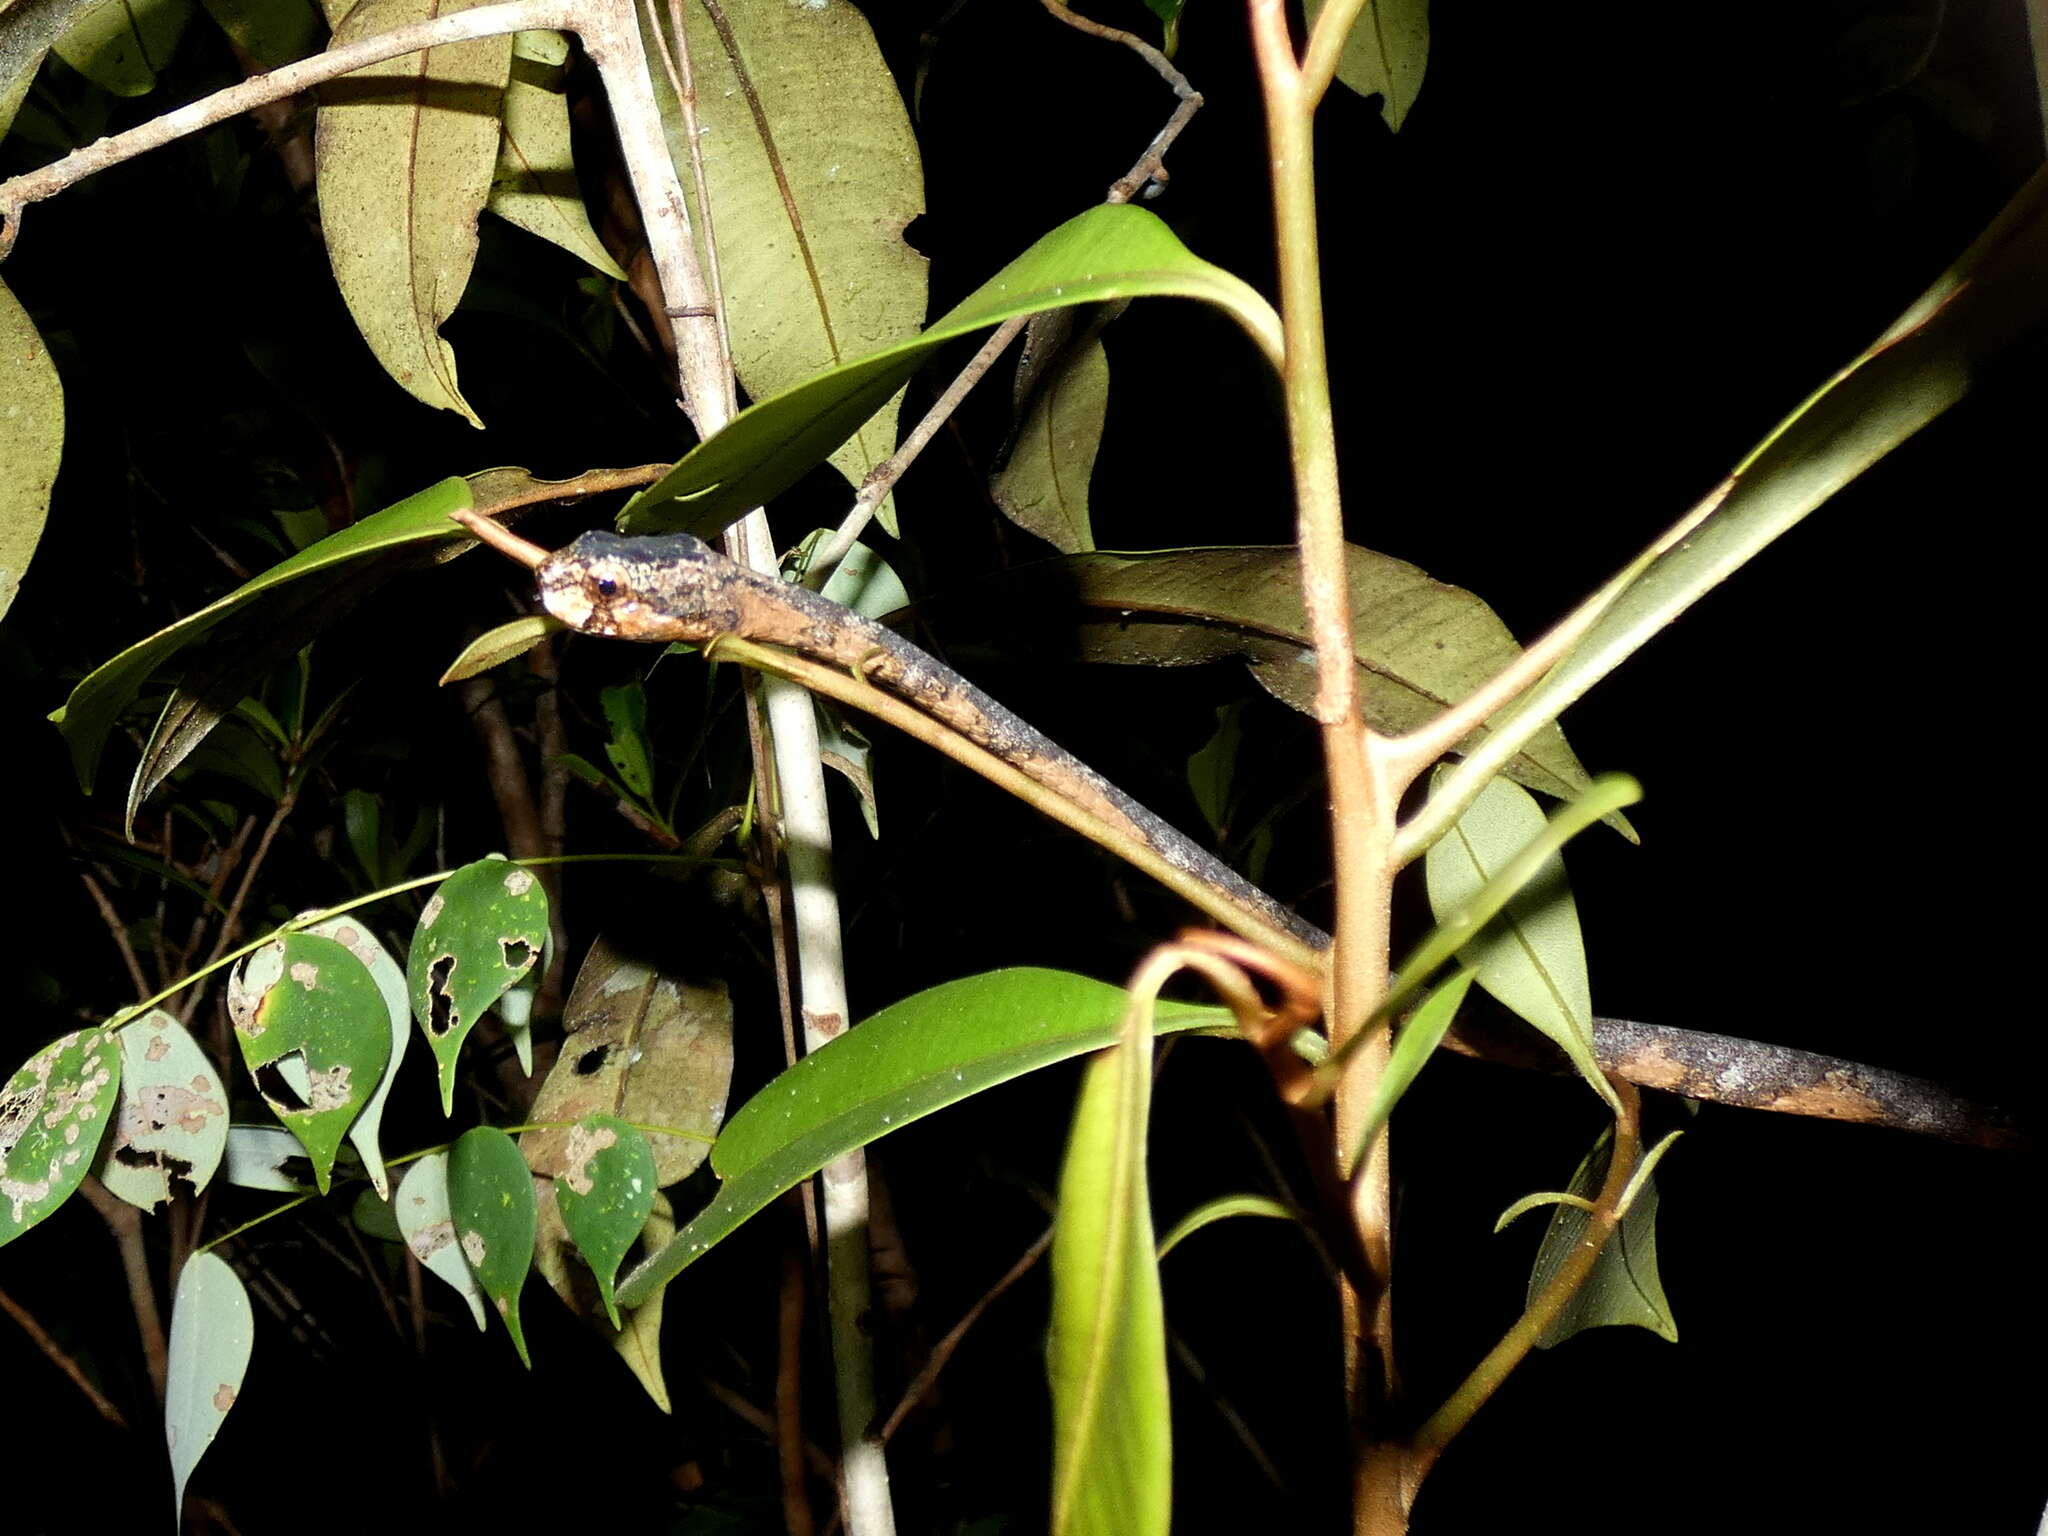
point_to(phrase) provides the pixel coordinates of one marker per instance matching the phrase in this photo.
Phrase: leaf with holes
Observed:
(645, 1045)
(53, 1113)
(490, 1194)
(605, 1193)
(270, 1157)
(173, 1120)
(213, 1330)
(482, 930)
(428, 1228)
(316, 1036)
(352, 935)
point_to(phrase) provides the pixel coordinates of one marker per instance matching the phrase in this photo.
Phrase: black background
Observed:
(1611, 246)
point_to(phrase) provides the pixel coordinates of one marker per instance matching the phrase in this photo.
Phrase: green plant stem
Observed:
(1428, 1442)
(1361, 796)
(865, 696)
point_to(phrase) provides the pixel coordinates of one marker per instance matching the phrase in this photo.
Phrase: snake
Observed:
(675, 588)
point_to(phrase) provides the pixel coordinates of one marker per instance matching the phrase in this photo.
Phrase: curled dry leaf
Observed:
(645, 1046)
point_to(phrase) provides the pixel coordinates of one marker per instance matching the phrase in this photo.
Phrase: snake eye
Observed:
(606, 587)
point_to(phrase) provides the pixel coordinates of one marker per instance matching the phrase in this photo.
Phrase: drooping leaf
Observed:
(491, 1195)
(374, 1217)
(405, 151)
(1062, 400)
(866, 583)
(120, 45)
(31, 439)
(316, 1035)
(213, 1330)
(1222, 1209)
(534, 186)
(1386, 54)
(350, 934)
(813, 174)
(1112, 1439)
(605, 1192)
(94, 705)
(428, 1228)
(26, 32)
(625, 718)
(272, 32)
(930, 1050)
(1421, 645)
(496, 646)
(645, 1046)
(53, 1113)
(173, 1118)
(482, 930)
(1624, 1288)
(1419, 1036)
(1112, 251)
(639, 1342)
(1531, 956)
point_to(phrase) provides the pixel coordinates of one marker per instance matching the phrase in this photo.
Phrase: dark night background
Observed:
(1610, 248)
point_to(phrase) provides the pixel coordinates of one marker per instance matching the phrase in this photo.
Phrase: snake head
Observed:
(671, 588)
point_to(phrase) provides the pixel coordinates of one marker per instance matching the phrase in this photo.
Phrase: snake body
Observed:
(678, 588)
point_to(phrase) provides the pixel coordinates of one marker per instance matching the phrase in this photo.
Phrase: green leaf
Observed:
(605, 1192)
(491, 1195)
(495, 647)
(534, 186)
(307, 1010)
(405, 152)
(813, 174)
(428, 1228)
(646, 1046)
(351, 935)
(930, 1050)
(1112, 1437)
(1063, 398)
(1220, 1209)
(1386, 54)
(89, 714)
(120, 45)
(1421, 645)
(481, 931)
(213, 1330)
(1415, 1043)
(272, 32)
(31, 440)
(1212, 768)
(1923, 363)
(173, 1119)
(1109, 252)
(1531, 955)
(53, 1113)
(625, 717)
(1624, 1288)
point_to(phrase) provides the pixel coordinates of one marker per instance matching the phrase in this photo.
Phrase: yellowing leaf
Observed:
(405, 151)
(1386, 54)
(813, 173)
(121, 44)
(534, 186)
(31, 439)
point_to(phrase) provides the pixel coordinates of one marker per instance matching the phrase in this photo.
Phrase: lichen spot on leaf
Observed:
(431, 913)
(518, 881)
(307, 976)
(474, 1249)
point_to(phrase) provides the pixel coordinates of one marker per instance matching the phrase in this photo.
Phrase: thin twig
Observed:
(231, 923)
(61, 1360)
(943, 1350)
(125, 1222)
(119, 930)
